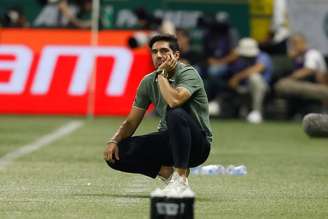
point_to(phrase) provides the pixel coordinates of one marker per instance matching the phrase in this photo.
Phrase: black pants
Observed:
(182, 145)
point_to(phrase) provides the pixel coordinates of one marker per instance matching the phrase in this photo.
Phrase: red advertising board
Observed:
(50, 72)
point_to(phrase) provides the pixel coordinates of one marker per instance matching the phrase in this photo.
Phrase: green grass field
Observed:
(287, 173)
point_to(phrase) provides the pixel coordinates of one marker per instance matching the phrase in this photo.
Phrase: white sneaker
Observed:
(166, 181)
(214, 108)
(176, 186)
(254, 117)
(157, 193)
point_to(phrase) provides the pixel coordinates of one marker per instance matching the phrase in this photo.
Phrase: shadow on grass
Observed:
(113, 195)
(201, 199)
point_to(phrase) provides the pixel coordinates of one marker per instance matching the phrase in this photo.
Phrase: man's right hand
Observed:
(111, 151)
(169, 64)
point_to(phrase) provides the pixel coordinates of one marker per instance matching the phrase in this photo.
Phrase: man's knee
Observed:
(176, 113)
(115, 165)
(257, 82)
(110, 164)
(176, 117)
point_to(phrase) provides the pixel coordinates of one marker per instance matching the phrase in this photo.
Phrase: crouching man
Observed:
(183, 139)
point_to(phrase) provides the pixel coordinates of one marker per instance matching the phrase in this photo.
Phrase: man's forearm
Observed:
(255, 69)
(302, 73)
(243, 74)
(125, 130)
(322, 78)
(169, 94)
(232, 56)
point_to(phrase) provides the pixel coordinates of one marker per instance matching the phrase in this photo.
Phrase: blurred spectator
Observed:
(83, 17)
(251, 73)
(219, 42)
(14, 17)
(150, 25)
(276, 42)
(145, 20)
(61, 13)
(54, 14)
(308, 82)
(187, 55)
(167, 27)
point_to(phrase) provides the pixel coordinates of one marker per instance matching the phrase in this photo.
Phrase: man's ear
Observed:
(177, 55)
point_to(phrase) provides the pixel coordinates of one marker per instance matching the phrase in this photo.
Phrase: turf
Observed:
(287, 173)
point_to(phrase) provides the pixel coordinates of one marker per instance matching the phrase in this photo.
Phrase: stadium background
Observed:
(117, 24)
(115, 15)
(42, 91)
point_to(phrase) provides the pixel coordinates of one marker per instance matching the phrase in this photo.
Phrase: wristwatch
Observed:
(163, 73)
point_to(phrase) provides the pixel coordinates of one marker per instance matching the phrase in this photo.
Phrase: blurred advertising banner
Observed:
(49, 71)
(311, 19)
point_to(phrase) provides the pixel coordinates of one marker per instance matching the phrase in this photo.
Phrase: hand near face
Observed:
(169, 64)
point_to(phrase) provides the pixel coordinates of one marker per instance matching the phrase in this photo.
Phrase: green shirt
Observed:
(185, 76)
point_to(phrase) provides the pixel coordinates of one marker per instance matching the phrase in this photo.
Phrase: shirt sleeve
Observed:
(141, 99)
(190, 80)
(264, 60)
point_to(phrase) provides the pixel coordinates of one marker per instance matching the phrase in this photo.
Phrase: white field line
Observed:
(39, 143)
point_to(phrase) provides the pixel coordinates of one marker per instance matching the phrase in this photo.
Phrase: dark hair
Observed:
(171, 39)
